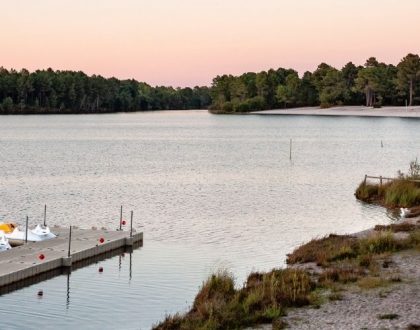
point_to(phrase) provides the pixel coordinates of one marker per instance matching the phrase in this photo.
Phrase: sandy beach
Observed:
(356, 111)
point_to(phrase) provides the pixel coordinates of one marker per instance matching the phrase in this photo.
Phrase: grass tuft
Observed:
(324, 250)
(263, 299)
(390, 316)
(380, 243)
(370, 282)
(398, 193)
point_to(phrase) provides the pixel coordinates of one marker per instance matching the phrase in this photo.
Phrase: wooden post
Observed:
(131, 225)
(380, 181)
(45, 215)
(290, 155)
(69, 252)
(382, 144)
(364, 182)
(26, 229)
(121, 218)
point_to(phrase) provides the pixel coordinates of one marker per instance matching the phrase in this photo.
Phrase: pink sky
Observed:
(188, 42)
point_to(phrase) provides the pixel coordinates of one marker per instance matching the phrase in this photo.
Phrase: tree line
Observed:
(49, 91)
(375, 84)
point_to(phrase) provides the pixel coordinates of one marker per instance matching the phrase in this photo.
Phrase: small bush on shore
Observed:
(341, 274)
(334, 248)
(263, 299)
(391, 316)
(371, 282)
(402, 192)
(324, 250)
(415, 238)
(380, 243)
(370, 193)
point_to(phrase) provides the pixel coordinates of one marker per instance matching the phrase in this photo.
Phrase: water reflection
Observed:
(68, 291)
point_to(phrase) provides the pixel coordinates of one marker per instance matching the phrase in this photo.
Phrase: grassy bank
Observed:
(399, 193)
(403, 192)
(341, 261)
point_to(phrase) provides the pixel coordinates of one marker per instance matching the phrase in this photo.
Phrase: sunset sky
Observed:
(188, 42)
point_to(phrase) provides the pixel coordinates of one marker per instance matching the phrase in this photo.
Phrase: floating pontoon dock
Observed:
(33, 259)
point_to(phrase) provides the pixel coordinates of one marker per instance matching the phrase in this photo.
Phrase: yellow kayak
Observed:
(7, 227)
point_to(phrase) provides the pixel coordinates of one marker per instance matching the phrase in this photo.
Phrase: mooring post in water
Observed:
(69, 252)
(131, 225)
(382, 144)
(364, 182)
(380, 181)
(290, 155)
(45, 215)
(121, 218)
(26, 229)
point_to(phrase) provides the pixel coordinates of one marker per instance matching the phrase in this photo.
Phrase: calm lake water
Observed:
(209, 192)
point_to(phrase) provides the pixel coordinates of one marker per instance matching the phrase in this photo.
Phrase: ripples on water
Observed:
(209, 192)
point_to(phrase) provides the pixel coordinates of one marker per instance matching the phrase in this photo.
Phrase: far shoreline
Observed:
(346, 111)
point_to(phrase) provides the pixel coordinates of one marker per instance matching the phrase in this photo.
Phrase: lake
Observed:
(210, 192)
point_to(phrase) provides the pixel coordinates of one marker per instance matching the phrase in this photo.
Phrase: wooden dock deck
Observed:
(33, 259)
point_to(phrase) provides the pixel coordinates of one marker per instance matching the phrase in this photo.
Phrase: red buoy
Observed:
(101, 240)
(124, 222)
(41, 257)
(101, 270)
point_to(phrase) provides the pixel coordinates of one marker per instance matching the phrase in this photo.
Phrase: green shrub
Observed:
(402, 193)
(7, 104)
(380, 243)
(399, 193)
(324, 250)
(415, 238)
(370, 192)
(242, 107)
(227, 107)
(257, 103)
(262, 300)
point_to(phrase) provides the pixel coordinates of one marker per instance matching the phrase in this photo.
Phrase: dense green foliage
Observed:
(48, 91)
(374, 84)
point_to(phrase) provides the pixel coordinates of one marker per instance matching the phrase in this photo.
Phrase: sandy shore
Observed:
(362, 309)
(365, 309)
(357, 111)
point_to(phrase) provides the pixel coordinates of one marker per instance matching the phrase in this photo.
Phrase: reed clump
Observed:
(324, 250)
(371, 193)
(333, 248)
(399, 193)
(262, 299)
